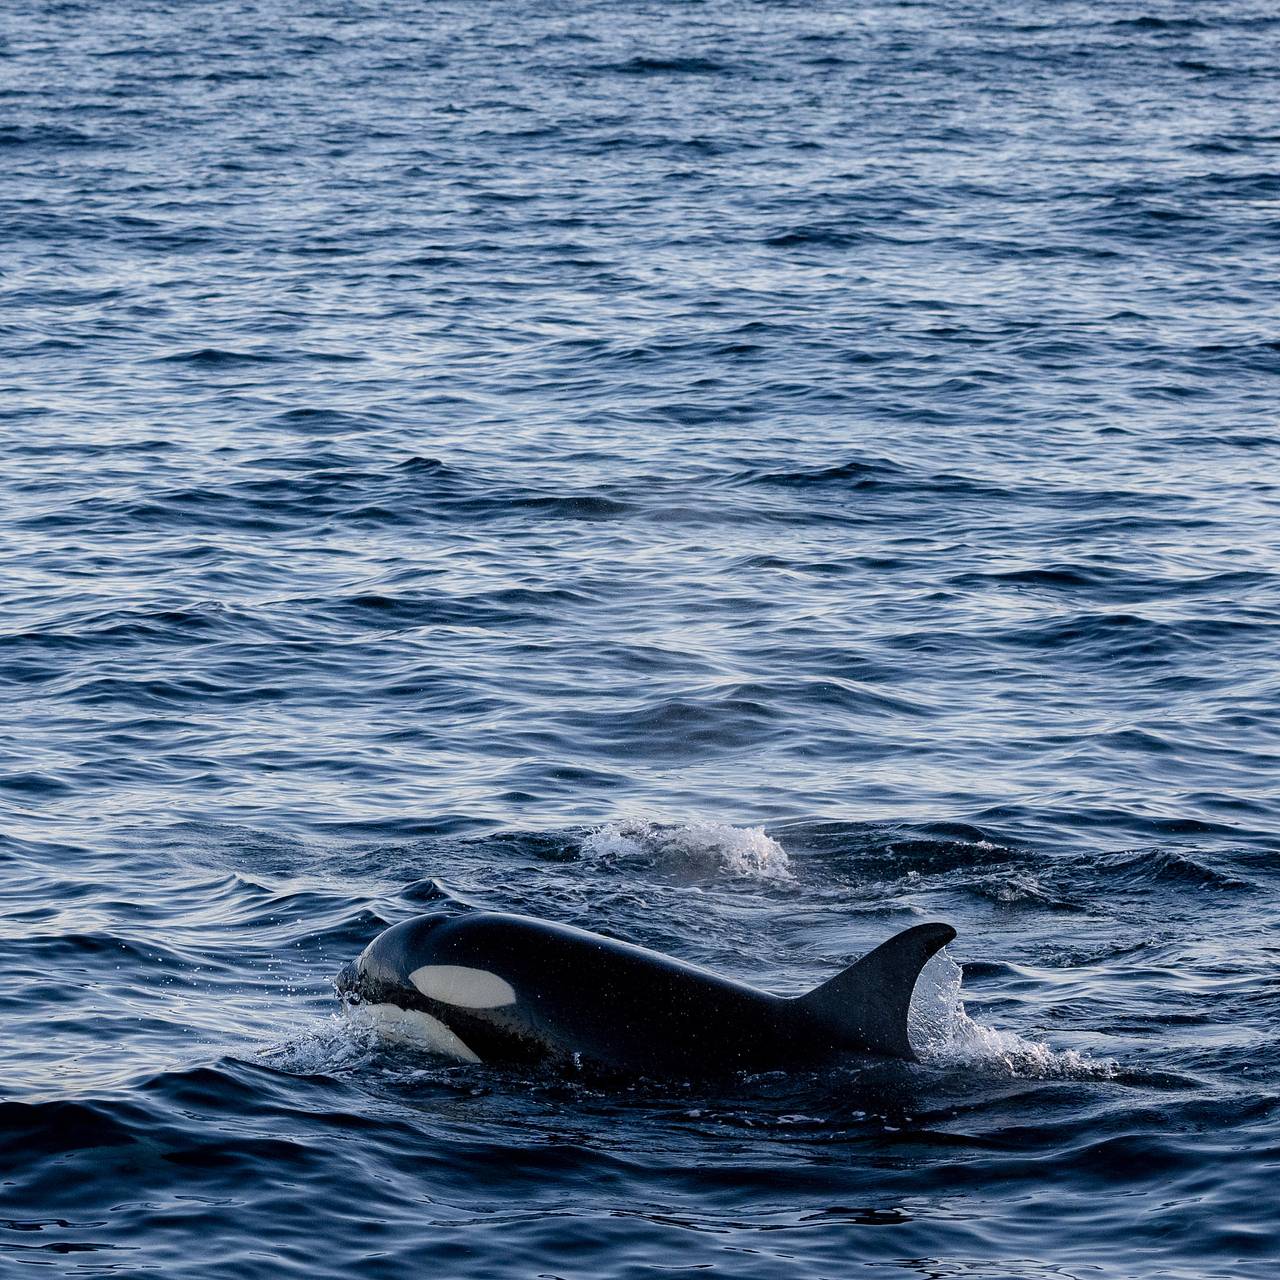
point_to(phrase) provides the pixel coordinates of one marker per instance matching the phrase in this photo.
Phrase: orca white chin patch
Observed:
(412, 1026)
(466, 988)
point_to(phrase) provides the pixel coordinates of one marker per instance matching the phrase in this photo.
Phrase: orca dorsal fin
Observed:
(866, 1006)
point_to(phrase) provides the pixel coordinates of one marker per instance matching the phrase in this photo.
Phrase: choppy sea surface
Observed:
(741, 477)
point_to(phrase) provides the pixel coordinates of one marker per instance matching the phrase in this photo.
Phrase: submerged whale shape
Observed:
(488, 987)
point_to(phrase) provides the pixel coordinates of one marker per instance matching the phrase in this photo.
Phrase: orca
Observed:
(483, 986)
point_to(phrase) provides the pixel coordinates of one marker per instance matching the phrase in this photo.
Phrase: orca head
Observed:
(389, 960)
(407, 982)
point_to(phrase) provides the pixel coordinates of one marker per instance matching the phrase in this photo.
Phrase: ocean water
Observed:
(743, 477)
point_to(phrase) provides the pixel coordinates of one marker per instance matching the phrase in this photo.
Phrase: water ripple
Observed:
(743, 477)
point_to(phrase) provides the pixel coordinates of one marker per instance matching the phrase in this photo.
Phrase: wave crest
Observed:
(693, 851)
(944, 1035)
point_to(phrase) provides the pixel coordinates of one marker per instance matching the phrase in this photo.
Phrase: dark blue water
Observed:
(743, 477)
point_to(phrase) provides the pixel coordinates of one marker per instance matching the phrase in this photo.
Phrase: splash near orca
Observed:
(507, 989)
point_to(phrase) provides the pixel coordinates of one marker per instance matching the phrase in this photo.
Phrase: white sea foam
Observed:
(694, 851)
(326, 1045)
(943, 1033)
(348, 1040)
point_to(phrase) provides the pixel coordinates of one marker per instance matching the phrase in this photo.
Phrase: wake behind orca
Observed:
(482, 986)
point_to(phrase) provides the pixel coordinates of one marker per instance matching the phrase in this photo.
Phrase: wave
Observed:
(218, 358)
(1155, 867)
(644, 65)
(945, 1036)
(690, 852)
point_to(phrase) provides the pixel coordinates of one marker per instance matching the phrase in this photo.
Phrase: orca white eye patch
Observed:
(463, 987)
